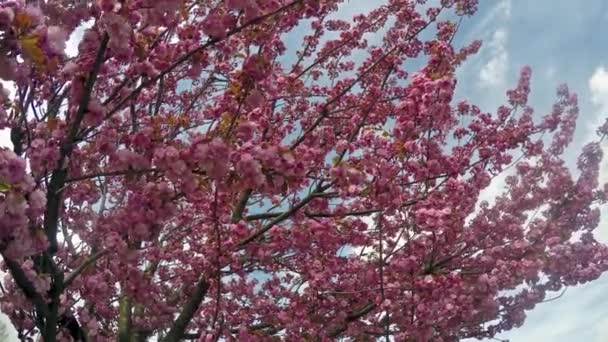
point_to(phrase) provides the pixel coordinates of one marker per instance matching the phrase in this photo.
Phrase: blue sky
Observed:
(561, 41)
(564, 42)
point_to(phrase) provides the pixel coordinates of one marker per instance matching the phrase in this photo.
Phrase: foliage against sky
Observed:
(234, 206)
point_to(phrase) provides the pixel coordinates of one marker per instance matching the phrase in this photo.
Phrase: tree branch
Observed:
(90, 261)
(176, 333)
(283, 216)
(187, 56)
(237, 213)
(54, 192)
(351, 318)
(108, 174)
(26, 286)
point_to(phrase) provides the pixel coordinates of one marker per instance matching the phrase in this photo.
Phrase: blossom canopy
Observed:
(255, 170)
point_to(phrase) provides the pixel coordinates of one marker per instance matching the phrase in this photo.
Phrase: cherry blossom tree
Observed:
(201, 170)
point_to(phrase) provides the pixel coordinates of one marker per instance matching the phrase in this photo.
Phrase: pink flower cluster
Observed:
(21, 206)
(206, 160)
(29, 44)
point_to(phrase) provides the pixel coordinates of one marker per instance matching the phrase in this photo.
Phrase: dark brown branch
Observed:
(54, 193)
(237, 213)
(178, 329)
(255, 327)
(26, 286)
(329, 53)
(90, 261)
(284, 216)
(327, 105)
(364, 212)
(108, 174)
(351, 318)
(188, 55)
(159, 95)
(262, 216)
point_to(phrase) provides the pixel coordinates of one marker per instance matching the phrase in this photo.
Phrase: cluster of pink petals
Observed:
(203, 160)
(30, 44)
(21, 206)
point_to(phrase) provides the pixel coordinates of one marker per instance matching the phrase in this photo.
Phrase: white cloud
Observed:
(71, 49)
(5, 134)
(550, 72)
(598, 88)
(504, 8)
(487, 71)
(492, 29)
(5, 138)
(573, 317)
(494, 72)
(601, 329)
(7, 330)
(499, 13)
(598, 85)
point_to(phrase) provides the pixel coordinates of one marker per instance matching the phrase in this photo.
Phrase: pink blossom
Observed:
(246, 130)
(250, 170)
(255, 99)
(119, 31)
(8, 68)
(37, 200)
(6, 15)
(213, 157)
(214, 25)
(57, 38)
(106, 5)
(34, 13)
(238, 4)
(211, 145)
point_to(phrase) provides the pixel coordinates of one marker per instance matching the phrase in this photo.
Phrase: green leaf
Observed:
(4, 187)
